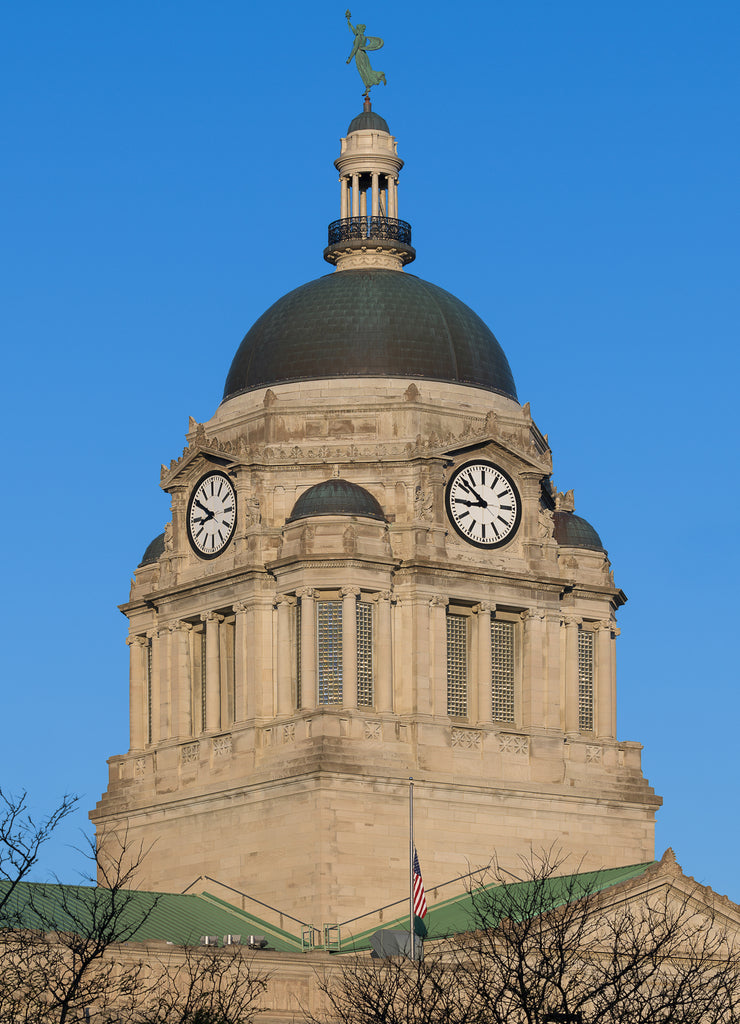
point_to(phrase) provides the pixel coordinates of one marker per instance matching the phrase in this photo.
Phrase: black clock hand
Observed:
(470, 504)
(468, 487)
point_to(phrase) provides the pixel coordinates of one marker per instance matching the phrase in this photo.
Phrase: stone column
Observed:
(605, 725)
(155, 682)
(241, 654)
(213, 671)
(375, 204)
(438, 647)
(344, 201)
(533, 696)
(393, 197)
(285, 605)
(383, 652)
(551, 713)
(180, 685)
(349, 646)
(571, 623)
(308, 647)
(355, 195)
(480, 711)
(137, 695)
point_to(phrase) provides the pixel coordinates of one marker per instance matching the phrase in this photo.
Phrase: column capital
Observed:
(137, 641)
(532, 615)
(288, 600)
(604, 624)
(350, 592)
(381, 595)
(439, 601)
(211, 617)
(309, 592)
(180, 626)
(570, 620)
(239, 606)
(484, 606)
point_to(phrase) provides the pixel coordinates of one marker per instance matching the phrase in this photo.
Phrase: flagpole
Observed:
(411, 865)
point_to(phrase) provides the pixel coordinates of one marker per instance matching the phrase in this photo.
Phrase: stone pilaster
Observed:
(534, 691)
(479, 696)
(349, 646)
(213, 670)
(383, 652)
(605, 696)
(137, 695)
(438, 646)
(571, 624)
(308, 647)
(285, 605)
(241, 658)
(180, 684)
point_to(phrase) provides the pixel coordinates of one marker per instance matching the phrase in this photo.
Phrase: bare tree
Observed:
(543, 947)
(21, 840)
(204, 986)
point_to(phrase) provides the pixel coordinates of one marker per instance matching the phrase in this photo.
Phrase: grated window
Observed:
(585, 680)
(364, 655)
(502, 671)
(457, 665)
(329, 651)
(298, 654)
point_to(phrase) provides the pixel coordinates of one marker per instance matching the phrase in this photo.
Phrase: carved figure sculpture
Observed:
(360, 47)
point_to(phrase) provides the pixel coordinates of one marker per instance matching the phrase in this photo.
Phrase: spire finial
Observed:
(360, 47)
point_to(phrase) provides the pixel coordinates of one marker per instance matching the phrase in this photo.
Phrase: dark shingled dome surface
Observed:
(368, 119)
(336, 497)
(574, 532)
(155, 549)
(369, 323)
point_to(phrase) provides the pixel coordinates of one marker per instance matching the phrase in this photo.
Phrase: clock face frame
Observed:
(211, 517)
(483, 504)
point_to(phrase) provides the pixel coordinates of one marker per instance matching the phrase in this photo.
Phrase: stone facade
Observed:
(282, 693)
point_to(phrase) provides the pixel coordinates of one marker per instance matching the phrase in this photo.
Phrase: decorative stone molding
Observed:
(484, 606)
(285, 599)
(466, 739)
(307, 592)
(514, 745)
(239, 606)
(593, 755)
(211, 617)
(289, 732)
(180, 626)
(221, 746)
(140, 767)
(190, 753)
(350, 592)
(381, 595)
(137, 641)
(411, 394)
(571, 620)
(439, 601)
(423, 506)
(546, 523)
(373, 731)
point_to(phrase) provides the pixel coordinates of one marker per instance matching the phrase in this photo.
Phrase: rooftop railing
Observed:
(385, 229)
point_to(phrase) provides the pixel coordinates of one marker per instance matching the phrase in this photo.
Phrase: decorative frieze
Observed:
(466, 739)
(373, 731)
(190, 753)
(513, 745)
(221, 746)
(593, 755)
(289, 732)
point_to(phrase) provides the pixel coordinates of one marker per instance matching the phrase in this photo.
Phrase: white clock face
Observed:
(212, 515)
(483, 504)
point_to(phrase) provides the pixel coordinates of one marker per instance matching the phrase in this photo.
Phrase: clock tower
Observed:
(369, 574)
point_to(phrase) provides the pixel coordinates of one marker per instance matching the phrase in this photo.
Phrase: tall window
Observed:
(364, 654)
(585, 680)
(457, 665)
(502, 671)
(329, 651)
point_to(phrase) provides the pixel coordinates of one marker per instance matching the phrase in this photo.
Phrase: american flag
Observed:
(420, 900)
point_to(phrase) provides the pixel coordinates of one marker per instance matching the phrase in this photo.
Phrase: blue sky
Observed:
(571, 173)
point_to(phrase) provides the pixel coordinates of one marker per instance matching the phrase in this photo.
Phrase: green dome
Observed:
(336, 497)
(153, 552)
(573, 532)
(368, 119)
(369, 323)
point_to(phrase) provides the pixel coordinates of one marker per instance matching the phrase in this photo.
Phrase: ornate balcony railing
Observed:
(383, 228)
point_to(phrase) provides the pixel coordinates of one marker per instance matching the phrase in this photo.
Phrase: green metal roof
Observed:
(145, 916)
(457, 915)
(574, 531)
(336, 497)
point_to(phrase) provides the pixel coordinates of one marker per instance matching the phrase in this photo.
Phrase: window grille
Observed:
(457, 665)
(364, 655)
(329, 651)
(149, 647)
(298, 654)
(502, 671)
(203, 667)
(585, 680)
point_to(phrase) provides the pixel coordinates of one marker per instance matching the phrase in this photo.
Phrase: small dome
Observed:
(573, 532)
(368, 119)
(336, 497)
(369, 323)
(152, 553)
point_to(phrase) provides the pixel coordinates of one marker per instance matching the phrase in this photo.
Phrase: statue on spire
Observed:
(360, 47)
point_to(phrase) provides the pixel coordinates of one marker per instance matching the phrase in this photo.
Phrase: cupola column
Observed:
(349, 646)
(375, 207)
(308, 647)
(384, 661)
(483, 674)
(571, 673)
(344, 200)
(138, 655)
(285, 606)
(355, 195)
